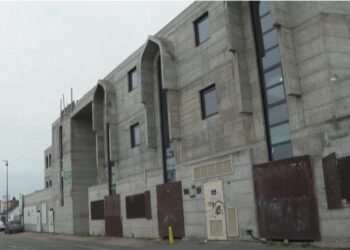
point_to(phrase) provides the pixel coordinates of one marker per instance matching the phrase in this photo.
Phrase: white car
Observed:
(2, 226)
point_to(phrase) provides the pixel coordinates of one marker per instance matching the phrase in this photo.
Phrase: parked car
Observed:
(2, 226)
(13, 227)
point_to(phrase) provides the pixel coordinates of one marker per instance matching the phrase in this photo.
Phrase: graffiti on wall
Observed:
(67, 177)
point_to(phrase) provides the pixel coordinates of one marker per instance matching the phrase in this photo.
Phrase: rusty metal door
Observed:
(113, 221)
(286, 204)
(170, 209)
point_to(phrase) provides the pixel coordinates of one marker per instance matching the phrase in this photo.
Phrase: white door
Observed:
(215, 210)
(38, 221)
(51, 221)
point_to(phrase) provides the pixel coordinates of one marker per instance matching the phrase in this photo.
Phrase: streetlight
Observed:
(7, 190)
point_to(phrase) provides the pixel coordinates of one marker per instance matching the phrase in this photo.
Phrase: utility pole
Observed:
(7, 190)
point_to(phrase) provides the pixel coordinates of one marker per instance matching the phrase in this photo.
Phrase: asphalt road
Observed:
(36, 241)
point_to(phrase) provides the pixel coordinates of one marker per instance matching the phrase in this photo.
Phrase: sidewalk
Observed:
(193, 244)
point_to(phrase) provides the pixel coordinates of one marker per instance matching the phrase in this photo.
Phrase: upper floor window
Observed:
(209, 101)
(135, 135)
(132, 79)
(201, 26)
(49, 160)
(46, 162)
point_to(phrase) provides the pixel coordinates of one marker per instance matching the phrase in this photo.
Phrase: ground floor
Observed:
(34, 241)
(221, 198)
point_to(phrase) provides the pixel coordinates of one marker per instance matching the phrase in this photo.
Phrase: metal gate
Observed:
(113, 221)
(286, 204)
(170, 209)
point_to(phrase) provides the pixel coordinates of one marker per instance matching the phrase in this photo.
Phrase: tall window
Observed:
(132, 79)
(272, 82)
(111, 165)
(169, 162)
(202, 30)
(135, 135)
(60, 141)
(209, 101)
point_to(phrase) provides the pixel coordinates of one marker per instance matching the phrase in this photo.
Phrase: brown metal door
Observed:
(286, 204)
(170, 209)
(113, 221)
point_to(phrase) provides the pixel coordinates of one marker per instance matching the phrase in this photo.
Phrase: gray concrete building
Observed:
(232, 120)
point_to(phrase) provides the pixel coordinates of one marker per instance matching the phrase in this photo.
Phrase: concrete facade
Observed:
(314, 42)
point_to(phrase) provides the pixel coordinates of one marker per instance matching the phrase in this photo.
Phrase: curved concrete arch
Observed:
(155, 46)
(98, 108)
(165, 48)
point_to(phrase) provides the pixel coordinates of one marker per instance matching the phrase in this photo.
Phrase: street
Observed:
(36, 241)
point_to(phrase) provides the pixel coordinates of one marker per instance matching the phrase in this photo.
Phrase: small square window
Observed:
(135, 135)
(132, 79)
(209, 101)
(202, 31)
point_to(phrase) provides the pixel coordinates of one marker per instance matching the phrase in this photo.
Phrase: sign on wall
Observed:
(67, 177)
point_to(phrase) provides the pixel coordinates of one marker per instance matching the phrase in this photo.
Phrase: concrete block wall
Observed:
(237, 188)
(84, 170)
(36, 199)
(63, 214)
(321, 41)
(139, 183)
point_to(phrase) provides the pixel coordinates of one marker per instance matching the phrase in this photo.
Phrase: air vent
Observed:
(232, 222)
(212, 170)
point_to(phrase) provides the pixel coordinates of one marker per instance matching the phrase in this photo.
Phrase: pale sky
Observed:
(45, 49)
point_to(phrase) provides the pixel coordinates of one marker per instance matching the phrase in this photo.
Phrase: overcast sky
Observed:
(45, 49)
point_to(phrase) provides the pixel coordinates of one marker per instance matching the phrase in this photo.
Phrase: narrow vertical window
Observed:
(49, 160)
(209, 101)
(111, 166)
(62, 190)
(46, 162)
(60, 141)
(135, 135)
(202, 30)
(169, 162)
(132, 79)
(272, 82)
(60, 148)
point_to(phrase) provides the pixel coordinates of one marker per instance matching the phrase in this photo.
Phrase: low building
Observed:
(232, 120)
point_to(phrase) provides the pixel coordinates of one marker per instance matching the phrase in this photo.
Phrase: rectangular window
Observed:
(60, 142)
(49, 160)
(132, 79)
(135, 135)
(209, 102)
(273, 77)
(97, 210)
(46, 162)
(201, 26)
